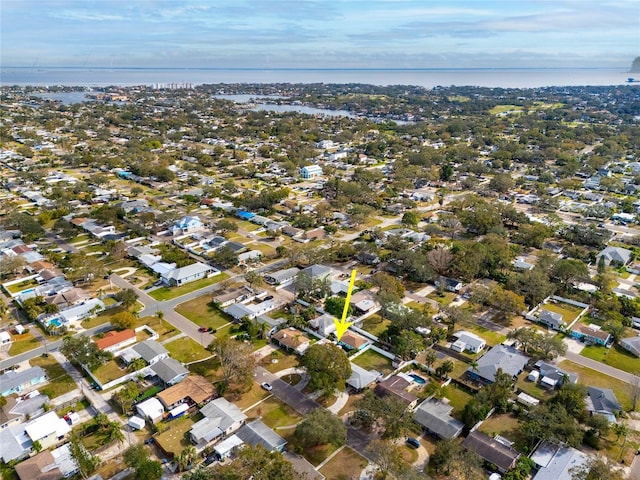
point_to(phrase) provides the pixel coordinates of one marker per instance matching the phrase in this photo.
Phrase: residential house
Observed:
(397, 386)
(435, 417)
(21, 381)
(556, 462)
(449, 284)
(186, 225)
(291, 339)
(492, 450)
(361, 378)
(467, 341)
(113, 341)
(552, 377)
(353, 341)
(47, 429)
(325, 324)
(5, 341)
(149, 350)
(229, 298)
(602, 401)
(257, 433)
(364, 301)
(632, 345)
(193, 390)
(188, 274)
(169, 371)
(221, 418)
(614, 256)
(318, 272)
(591, 334)
(224, 448)
(48, 465)
(281, 277)
(311, 171)
(551, 319)
(18, 409)
(315, 234)
(251, 256)
(500, 357)
(239, 311)
(151, 410)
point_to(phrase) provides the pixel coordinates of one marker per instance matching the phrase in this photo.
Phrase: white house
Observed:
(185, 225)
(221, 418)
(249, 257)
(151, 409)
(467, 341)
(190, 273)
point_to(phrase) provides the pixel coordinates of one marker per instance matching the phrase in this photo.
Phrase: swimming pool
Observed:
(55, 322)
(418, 379)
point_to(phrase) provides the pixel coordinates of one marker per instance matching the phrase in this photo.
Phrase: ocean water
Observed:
(429, 78)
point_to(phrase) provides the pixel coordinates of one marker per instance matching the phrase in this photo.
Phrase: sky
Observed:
(320, 34)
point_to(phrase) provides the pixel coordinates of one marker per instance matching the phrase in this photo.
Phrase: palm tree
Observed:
(113, 433)
(186, 457)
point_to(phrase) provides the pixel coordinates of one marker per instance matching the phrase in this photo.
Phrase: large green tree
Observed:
(327, 366)
(82, 351)
(321, 427)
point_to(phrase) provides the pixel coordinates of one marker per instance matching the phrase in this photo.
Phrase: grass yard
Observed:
(108, 372)
(445, 299)
(568, 312)
(375, 325)
(169, 293)
(201, 311)
(372, 360)
(209, 369)
(505, 108)
(492, 338)
(346, 464)
(23, 343)
(274, 413)
(533, 389)
(504, 425)
(186, 350)
(173, 439)
(267, 250)
(284, 360)
(24, 285)
(457, 397)
(251, 397)
(163, 328)
(246, 226)
(593, 378)
(59, 380)
(615, 356)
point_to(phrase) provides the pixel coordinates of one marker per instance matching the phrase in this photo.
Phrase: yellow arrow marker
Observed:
(343, 325)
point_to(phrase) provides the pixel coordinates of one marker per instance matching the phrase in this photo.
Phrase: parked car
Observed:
(413, 442)
(203, 329)
(266, 386)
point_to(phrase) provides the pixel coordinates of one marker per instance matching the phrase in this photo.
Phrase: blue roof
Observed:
(243, 214)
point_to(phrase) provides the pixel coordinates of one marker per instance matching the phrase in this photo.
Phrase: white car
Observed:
(266, 386)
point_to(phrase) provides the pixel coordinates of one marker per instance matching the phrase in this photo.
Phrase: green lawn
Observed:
(109, 371)
(251, 397)
(615, 356)
(532, 388)
(169, 293)
(372, 360)
(505, 108)
(274, 413)
(593, 378)
(173, 439)
(201, 311)
(375, 325)
(504, 425)
(568, 312)
(23, 343)
(210, 369)
(445, 299)
(492, 338)
(283, 361)
(458, 398)
(186, 350)
(59, 380)
(163, 328)
(24, 285)
(346, 464)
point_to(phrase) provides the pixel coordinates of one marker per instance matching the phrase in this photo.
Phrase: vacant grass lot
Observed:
(274, 413)
(492, 338)
(23, 343)
(346, 464)
(615, 356)
(186, 350)
(533, 389)
(251, 397)
(504, 425)
(109, 371)
(169, 293)
(173, 440)
(209, 369)
(201, 311)
(284, 360)
(457, 397)
(163, 328)
(59, 380)
(372, 360)
(375, 325)
(593, 378)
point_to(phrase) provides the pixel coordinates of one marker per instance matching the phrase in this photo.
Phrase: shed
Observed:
(136, 422)
(151, 409)
(224, 448)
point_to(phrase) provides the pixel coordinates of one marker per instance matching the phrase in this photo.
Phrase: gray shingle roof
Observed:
(168, 369)
(602, 400)
(435, 416)
(149, 349)
(11, 380)
(257, 433)
(500, 357)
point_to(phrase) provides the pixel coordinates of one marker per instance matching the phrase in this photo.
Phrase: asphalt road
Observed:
(601, 367)
(50, 346)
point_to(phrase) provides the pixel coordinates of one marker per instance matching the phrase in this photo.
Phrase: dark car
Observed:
(203, 329)
(413, 442)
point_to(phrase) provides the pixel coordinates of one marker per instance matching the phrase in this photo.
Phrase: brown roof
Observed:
(32, 468)
(197, 388)
(49, 273)
(290, 337)
(21, 249)
(78, 221)
(40, 265)
(592, 332)
(491, 450)
(353, 339)
(395, 386)
(113, 338)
